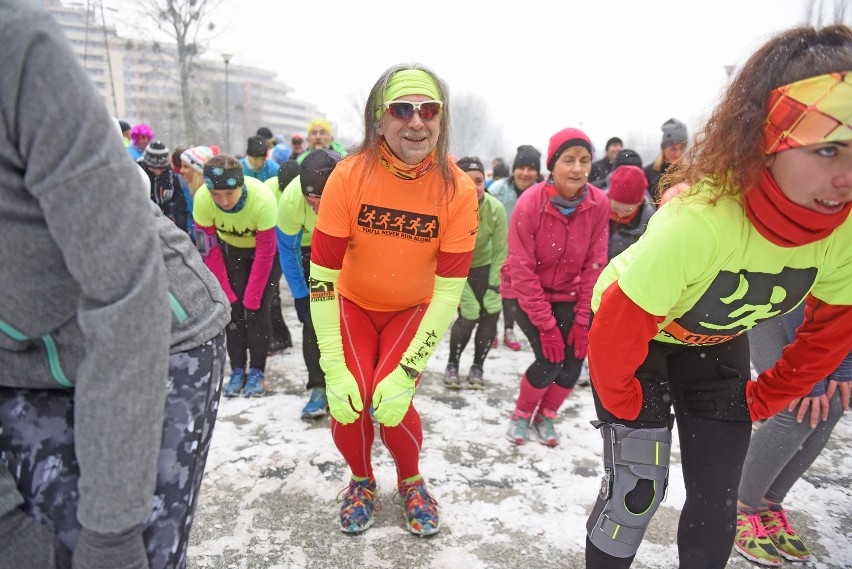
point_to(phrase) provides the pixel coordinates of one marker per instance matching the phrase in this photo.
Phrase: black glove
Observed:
(26, 544)
(237, 310)
(723, 399)
(125, 550)
(656, 399)
(303, 308)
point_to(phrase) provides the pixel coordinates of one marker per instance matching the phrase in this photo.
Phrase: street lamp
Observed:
(226, 57)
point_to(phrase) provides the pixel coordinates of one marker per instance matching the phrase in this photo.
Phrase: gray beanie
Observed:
(674, 132)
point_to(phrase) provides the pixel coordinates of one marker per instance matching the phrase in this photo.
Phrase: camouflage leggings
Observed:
(37, 447)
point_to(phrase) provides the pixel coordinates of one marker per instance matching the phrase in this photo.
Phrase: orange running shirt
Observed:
(395, 229)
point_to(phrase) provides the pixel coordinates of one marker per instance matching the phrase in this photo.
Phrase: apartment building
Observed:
(139, 80)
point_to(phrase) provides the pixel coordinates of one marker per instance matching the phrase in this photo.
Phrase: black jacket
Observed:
(600, 170)
(166, 193)
(623, 235)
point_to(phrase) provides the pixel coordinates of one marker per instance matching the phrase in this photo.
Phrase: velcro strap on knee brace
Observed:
(630, 455)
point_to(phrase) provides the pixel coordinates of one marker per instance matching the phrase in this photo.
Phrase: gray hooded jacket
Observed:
(97, 285)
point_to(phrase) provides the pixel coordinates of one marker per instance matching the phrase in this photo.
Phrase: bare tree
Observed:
(183, 20)
(474, 132)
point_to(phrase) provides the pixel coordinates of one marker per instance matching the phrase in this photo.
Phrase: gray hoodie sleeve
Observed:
(81, 181)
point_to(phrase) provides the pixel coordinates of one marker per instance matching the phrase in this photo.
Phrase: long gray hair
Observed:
(369, 146)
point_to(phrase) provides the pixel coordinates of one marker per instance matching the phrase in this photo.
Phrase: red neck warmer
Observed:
(627, 218)
(783, 222)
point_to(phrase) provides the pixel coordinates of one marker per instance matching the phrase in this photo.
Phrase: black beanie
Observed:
(315, 170)
(527, 156)
(470, 164)
(156, 155)
(627, 157)
(257, 146)
(288, 171)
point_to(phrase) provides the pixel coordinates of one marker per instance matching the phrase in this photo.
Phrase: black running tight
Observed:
(712, 454)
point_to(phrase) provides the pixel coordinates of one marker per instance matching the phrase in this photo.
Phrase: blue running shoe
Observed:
(254, 383)
(317, 406)
(235, 385)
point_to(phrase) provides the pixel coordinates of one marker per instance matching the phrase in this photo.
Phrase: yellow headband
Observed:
(320, 123)
(813, 110)
(408, 82)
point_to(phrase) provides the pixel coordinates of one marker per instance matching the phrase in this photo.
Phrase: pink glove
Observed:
(552, 345)
(578, 337)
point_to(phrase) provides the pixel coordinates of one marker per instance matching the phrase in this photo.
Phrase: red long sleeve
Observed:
(618, 344)
(328, 251)
(453, 265)
(821, 343)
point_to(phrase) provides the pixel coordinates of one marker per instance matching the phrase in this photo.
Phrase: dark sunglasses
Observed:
(404, 110)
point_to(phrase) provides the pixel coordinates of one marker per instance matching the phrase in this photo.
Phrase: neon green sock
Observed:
(360, 478)
(414, 478)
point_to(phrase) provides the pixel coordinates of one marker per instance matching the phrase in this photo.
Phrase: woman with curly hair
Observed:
(762, 226)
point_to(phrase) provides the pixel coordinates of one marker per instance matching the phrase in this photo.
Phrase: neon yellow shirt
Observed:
(272, 184)
(294, 213)
(713, 276)
(237, 229)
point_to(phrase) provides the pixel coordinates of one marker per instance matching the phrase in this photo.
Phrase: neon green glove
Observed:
(392, 397)
(344, 397)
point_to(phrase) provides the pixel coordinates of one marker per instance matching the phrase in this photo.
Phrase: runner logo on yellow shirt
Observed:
(736, 302)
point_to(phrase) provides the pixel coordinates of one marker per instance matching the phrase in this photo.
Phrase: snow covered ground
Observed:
(269, 495)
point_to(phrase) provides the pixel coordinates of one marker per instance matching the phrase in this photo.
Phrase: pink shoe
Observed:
(510, 341)
(494, 342)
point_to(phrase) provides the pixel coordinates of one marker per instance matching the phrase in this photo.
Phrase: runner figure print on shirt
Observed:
(736, 302)
(408, 225)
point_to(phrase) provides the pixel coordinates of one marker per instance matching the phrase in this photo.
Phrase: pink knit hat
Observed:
(564, 139)
(627, 185)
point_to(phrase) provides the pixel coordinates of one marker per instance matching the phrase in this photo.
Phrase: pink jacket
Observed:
(553, 257)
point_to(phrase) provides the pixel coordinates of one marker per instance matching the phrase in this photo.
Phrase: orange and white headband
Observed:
(811, 111)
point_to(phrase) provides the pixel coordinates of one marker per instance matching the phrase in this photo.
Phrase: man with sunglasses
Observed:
(391, 251)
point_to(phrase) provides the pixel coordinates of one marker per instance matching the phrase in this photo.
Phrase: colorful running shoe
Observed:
(510, 340)
(317, 405)
(451, 377)
(235, 385)
(752, 541)
(357, 506)
(421, 509)
(474, 378)
(543, 426)
(254, 383)
(785, 538)
(519, 426)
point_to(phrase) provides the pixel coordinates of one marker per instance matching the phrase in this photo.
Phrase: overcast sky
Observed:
(609, 67)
